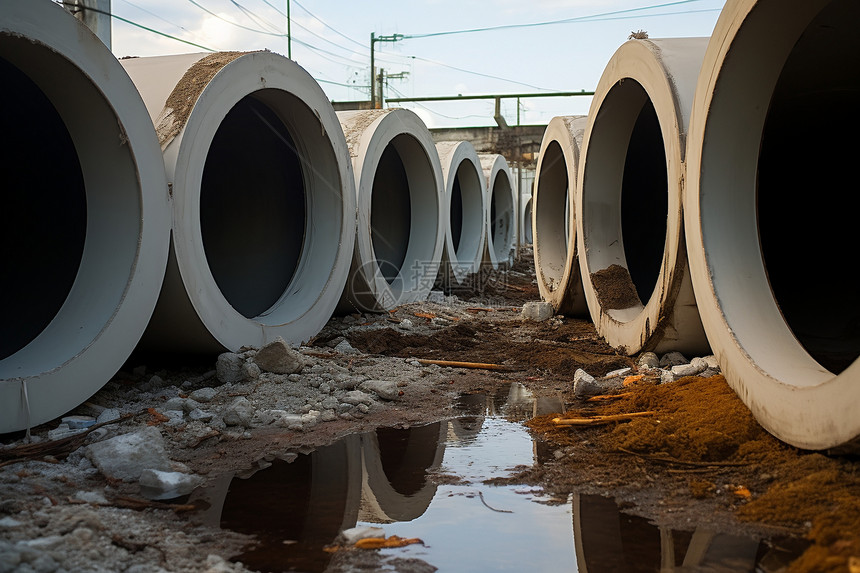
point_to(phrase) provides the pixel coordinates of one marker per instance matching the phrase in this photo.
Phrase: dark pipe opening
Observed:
(551, 213)
(645, 202)
(456, 216)
(390, 213)
(808, 196)
(43, 222)
(252, 207)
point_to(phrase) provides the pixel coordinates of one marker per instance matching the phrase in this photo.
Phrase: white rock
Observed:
(666, 377)
(90, 497)
(618, 373)
(537, 310)
(203, 394)
(344, 347)
(584, 384)
(109, 415)
(385, 389)
(355, 397)
(712, 361)
(239, 413)
(229, 368)
(157, 484)
(9, 522)
(125, 457)
(79, 422)
(62, 431)
(279, 358)
(407, 324)
(199, 415)
(648, 360)
(691, 369)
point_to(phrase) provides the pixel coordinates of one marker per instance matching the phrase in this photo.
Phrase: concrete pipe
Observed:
(555, 249)
(501, 222)
(527, 236)
(628, 199)
(263, 200)
(398, 238)
(767, 219)
(465, 205)
(85, 222)
(395, 467)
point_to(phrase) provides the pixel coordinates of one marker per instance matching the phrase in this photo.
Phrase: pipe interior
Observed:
(501, 215)
(455, 214)
(625, 188)
(807, 188)
(72, 215)
(44, 220)
(252, 207)
(527, 223)
(390, 213)
(645, 202)
(471, 191)
(551, 216)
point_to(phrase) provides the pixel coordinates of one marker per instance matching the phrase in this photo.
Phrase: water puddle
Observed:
(427, 482)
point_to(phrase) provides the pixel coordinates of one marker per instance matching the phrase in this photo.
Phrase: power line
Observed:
(141, 26)
(478, 73)
(341, 34)
(591, 18)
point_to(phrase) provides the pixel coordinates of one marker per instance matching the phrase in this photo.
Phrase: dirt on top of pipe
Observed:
(356, 126)
(184, 96)
(614, 288)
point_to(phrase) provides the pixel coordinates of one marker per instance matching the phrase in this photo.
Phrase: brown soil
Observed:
(614, 288)
(704, 459)
(181, 100)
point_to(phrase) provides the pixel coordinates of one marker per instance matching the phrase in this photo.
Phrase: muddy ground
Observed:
(696, 458)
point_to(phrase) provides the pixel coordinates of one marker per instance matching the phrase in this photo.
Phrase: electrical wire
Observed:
(483, 75)
(577, 19)
(141, 26)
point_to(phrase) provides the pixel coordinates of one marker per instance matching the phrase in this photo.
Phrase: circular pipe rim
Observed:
(456, 265)
(312, 293)
(559, 282)
(369, 134)
(666, 70)
(128, 219)
(497, 172)
(788, 392)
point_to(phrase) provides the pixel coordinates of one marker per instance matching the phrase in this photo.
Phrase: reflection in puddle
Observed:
(297, 506)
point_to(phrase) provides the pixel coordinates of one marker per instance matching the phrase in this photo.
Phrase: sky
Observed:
(331, 40)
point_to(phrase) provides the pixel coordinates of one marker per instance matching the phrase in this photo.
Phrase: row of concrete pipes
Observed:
(203, 202)
(708, 201)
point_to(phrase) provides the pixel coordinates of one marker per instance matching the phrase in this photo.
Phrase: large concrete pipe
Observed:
(85, 221)
(770, 218)
(398, 181)
(501, 222)
(263, 200)
(555, 249)
(465, 205)
(526, 236)
(628, 199)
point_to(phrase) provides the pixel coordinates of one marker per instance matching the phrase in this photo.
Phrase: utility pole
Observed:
(382, 80)
(289, 36)
(373, 40)
(96, 15)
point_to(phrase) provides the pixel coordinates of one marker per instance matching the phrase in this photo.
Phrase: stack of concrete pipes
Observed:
(712, 198)
(197, 203)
